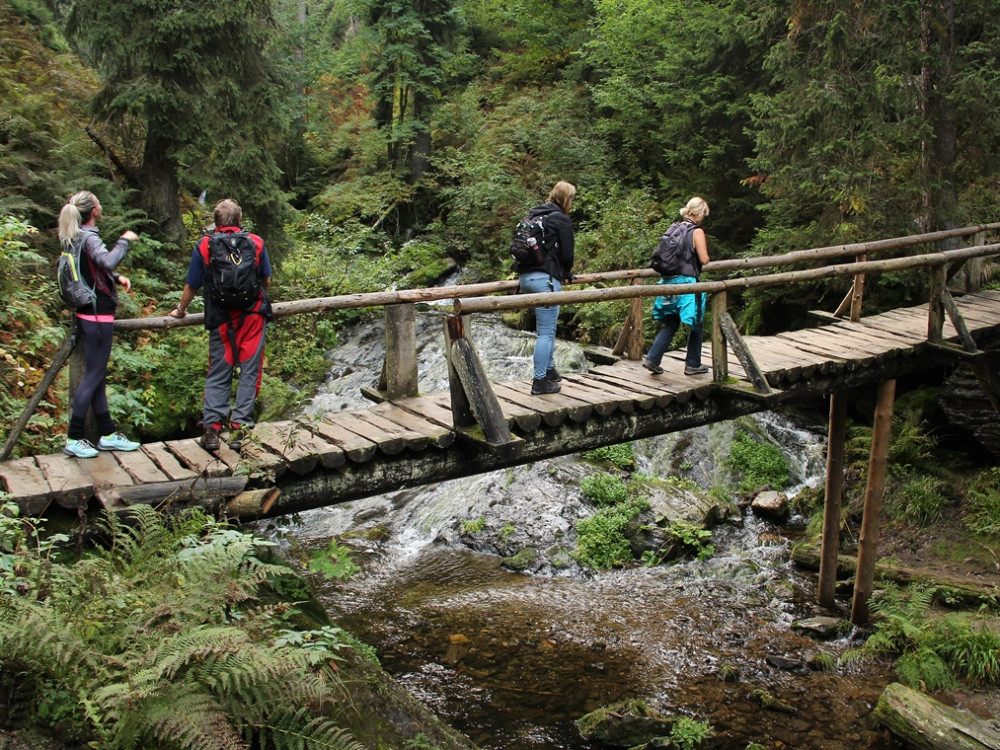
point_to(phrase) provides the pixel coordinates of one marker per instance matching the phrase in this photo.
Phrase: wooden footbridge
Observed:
(408, 439)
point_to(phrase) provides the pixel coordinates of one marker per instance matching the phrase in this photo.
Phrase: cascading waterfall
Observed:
(512, 659)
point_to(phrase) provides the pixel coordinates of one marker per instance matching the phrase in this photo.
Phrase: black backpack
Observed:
(674, 254)
(232, 275)
(527, 248)
(72, 288)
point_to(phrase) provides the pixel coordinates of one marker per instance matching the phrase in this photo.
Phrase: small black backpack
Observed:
(232, 275)
(72, 288)
(526, 247)
(674, 254)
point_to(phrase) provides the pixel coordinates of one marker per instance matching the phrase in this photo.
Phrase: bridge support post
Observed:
(935, 310)
(871, 519)
(720, 355)
(399, 370)
(833, 498)
(630, 340)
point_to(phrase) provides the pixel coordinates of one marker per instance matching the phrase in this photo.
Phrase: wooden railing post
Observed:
(935, 310)
(833, 499)
(630, 340)
(974, 266)
(864, 582)
(399, 373)
(720, 354)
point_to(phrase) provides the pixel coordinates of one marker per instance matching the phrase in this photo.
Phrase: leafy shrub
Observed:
(621, 456)
(982, 510)
(688, 734)
(919, 501)
(601, 541)
(693, 539)
(762, 463)
(604, 489)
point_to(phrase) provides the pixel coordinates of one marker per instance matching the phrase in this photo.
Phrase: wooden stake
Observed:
(871, 520)
(400, 351)
(833, 498)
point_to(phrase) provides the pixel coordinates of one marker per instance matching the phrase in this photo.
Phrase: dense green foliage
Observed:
(178, 633)
(759, 462)
(932, 651)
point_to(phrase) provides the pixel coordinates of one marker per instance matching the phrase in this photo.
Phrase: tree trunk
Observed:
(925, 724)
(161, 193)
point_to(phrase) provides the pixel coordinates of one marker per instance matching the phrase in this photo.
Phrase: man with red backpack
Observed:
(234, 271)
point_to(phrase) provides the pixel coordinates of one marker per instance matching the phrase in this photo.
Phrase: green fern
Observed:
(160, 639)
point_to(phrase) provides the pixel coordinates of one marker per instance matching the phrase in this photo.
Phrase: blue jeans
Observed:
(671, 322)
(535, 282)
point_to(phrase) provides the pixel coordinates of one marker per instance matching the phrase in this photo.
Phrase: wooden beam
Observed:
(743, 354)
(958, 321)
(400, 351)
(872, 516)
(935, 310)
(833, 499)
(720, 354)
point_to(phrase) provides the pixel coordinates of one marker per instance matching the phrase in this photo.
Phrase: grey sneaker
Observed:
(696, 370)
(117, 442)
(655, 369)
(80, 449)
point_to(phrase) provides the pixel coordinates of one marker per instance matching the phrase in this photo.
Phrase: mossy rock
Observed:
(526, 559)
(629, 723)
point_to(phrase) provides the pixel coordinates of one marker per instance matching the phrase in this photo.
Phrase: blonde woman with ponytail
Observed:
(95, 323)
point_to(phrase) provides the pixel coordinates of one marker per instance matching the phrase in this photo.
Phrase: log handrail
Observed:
(567, 297)
(434, 294)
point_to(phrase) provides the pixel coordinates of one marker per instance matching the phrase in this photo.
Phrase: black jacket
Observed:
(558, 242)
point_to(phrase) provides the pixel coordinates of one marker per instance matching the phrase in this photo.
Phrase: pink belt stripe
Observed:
(97, 318)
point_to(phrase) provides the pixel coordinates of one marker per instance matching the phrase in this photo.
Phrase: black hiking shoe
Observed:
(541, 385)
(238, 437)
(210, 440)
(696, 370)
(552, 375)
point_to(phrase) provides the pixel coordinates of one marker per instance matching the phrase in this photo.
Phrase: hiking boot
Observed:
(80, 449)
(695, 369)
(238, 437)
(541, 385)
(117, 442)
(552, 375)
(655, 369)
(210, 440)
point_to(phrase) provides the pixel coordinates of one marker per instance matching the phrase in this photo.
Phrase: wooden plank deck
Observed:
(393, 438)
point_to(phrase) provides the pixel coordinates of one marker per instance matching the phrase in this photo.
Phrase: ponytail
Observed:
(75, 213)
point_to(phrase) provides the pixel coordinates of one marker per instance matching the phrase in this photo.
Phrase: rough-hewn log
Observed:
(926, 724)
(958, 321)
(743, 354)
(569, 297)
(479, 393)
(878, 464)
(400, 351)
(832, 502)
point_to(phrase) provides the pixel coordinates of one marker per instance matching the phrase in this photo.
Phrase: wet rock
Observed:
(783, 662)
(961, 399)
(771, 505)
(822, 627)
(625, 724)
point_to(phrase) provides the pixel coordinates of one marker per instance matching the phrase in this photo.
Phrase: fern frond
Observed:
(299, 730)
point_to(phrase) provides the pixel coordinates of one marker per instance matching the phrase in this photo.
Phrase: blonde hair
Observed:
(227, 213)
(696, 210)
(74, 214)
(562, 194)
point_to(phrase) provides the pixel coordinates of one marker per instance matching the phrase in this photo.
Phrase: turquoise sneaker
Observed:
(117, 442)
(79, 449)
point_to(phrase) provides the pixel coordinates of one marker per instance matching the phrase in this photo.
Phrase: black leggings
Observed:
(95, 338)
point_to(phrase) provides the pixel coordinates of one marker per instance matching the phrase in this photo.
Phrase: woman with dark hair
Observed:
(95, 323)
(555, 269)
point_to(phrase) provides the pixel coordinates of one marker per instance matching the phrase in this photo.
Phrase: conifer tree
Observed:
(187, 86)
